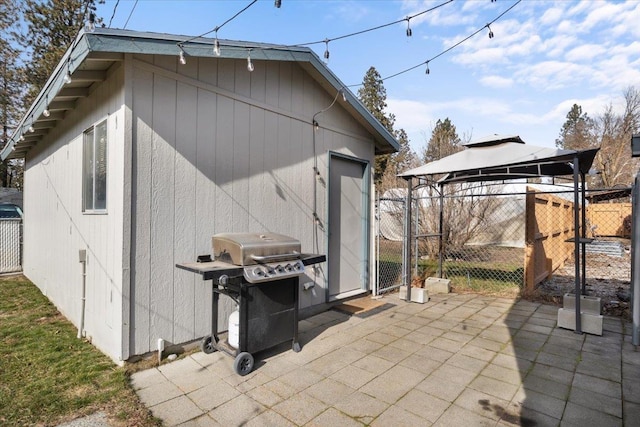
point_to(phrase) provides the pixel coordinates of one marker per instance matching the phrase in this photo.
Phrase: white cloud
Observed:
(585, 52)
(551, 16)
(497, 82)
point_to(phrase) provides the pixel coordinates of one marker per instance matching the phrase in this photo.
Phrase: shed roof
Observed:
(501, 157)
(93, 53)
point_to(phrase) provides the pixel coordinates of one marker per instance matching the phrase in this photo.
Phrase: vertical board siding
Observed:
(162, 208)
(56, 229)
(208, 163)
(185, 211)
(141, 225)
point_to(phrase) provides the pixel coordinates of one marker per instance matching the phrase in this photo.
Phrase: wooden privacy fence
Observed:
(548, 225)
(609, 219)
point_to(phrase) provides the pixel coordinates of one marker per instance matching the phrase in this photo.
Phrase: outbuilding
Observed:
(141, 146)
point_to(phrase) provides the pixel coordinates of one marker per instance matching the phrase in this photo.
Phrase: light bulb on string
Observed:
(46, 111)
(427, 71)
(216, 46)
(277, 3)
(181, 57)
(326, 50)
(344, 94)
(250, 66)
(490, 32)
(67, 77)
(31, 129)
(409, 32)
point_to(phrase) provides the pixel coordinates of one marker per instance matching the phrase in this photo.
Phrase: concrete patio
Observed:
(458, 360)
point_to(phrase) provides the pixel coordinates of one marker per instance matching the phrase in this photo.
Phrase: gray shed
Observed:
(134, 160)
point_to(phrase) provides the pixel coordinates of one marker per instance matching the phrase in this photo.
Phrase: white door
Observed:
(348, 259)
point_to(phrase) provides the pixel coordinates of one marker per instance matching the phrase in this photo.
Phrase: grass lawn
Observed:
(49, 376)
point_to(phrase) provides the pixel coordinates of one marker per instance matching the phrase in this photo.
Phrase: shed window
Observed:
(94, 169)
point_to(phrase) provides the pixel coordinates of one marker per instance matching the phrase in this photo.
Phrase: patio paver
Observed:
(456, 360)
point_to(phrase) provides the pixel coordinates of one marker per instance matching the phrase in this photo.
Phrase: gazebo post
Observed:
(576, 239)
(583, 243)
(441, 231)
(406, 254)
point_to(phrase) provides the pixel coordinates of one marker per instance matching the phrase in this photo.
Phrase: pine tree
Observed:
(444, 141)
(374, 97)
(576, 131)
(51, 27)
(11, 82)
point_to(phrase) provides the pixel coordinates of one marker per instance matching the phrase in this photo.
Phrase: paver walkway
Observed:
(458, 360)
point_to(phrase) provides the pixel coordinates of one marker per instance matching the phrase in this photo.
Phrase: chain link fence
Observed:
(487, 247)
(10, 245)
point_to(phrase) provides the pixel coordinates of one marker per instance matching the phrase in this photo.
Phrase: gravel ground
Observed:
(608, 277)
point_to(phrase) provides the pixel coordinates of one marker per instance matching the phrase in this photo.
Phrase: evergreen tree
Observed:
(374, 97)
(51, 27)
(444, 141)
(11, 83)
(576, 131)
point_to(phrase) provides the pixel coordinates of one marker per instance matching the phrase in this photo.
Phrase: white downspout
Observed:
(83, 261)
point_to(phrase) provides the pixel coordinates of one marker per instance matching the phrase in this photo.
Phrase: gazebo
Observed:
(499, 158)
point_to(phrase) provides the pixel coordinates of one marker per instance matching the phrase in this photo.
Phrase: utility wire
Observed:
(130, 13)
(114, 13)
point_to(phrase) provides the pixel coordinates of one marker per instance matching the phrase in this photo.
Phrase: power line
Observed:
(114, 13)
(130, 13)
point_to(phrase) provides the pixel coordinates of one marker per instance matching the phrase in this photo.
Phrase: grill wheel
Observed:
(243, 363)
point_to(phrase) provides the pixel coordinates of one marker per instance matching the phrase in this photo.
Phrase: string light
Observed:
(490, 32)
(67, 77)
(250, 66)
(31, 129)
(427, 70)
(449, 48)
(326, 50)
(344, 94)
(277, 3)
(216, 46)
(181, 57)
(409, 32)
(46, 111)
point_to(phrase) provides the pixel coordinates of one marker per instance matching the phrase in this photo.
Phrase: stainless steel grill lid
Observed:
(254, 248)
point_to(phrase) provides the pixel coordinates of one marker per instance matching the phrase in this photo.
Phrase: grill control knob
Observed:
(279, 269)
(258, 271)
(288, 267)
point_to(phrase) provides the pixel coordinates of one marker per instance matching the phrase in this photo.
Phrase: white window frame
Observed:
(93, 184)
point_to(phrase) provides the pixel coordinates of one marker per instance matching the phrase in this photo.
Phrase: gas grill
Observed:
(260, 272)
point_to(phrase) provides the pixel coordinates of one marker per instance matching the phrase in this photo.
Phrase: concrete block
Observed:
(590, 323)
(591, 305)
(419, 295)
(435, 285)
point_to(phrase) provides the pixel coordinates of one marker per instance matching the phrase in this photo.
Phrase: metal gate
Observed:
(10, 245)
(389, 243)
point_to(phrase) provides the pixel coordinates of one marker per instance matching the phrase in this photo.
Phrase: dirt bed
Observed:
(608, 277)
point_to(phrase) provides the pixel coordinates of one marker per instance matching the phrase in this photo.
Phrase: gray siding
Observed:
(56, 229)
(219, 149)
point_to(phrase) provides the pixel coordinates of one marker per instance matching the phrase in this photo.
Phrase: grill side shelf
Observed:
(211, 270)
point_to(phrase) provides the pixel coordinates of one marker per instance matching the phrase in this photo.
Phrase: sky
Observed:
(544, 56)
